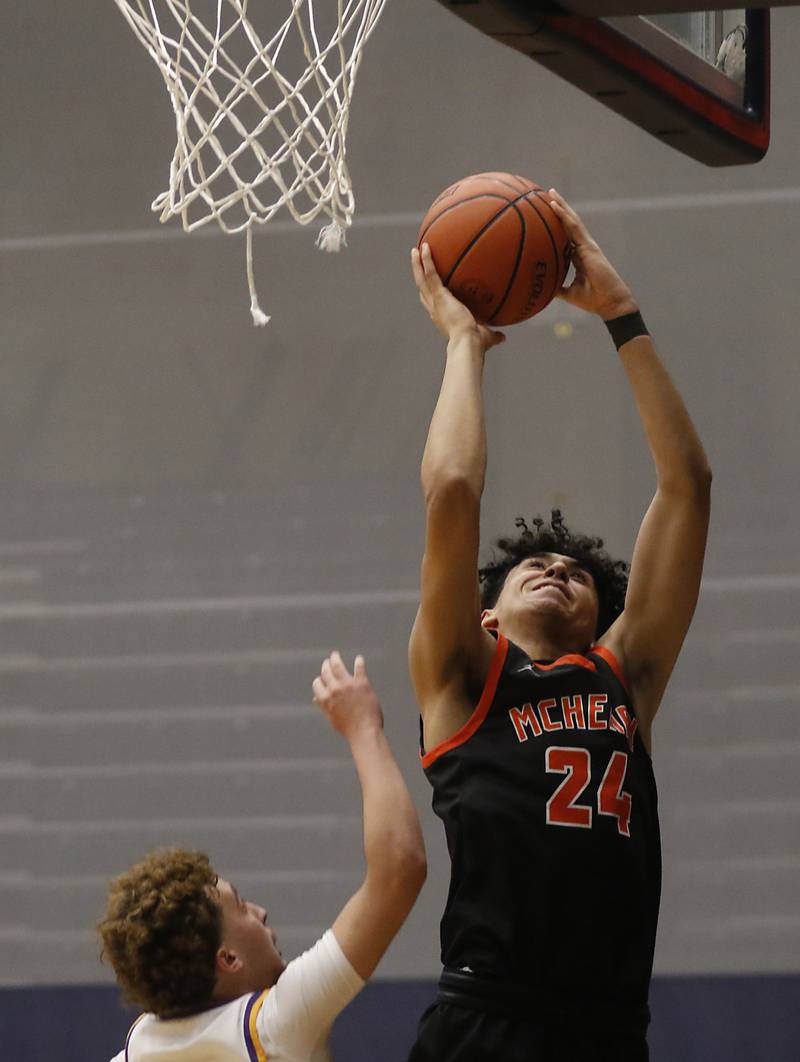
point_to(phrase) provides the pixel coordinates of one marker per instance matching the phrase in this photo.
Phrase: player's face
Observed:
(247, 935)
(554, 589)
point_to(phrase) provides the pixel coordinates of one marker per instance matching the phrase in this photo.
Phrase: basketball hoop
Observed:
(253, 137)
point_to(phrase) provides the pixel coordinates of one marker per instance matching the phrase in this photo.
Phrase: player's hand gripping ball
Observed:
(498, 246)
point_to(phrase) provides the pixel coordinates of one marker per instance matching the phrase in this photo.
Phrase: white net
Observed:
(261, 95)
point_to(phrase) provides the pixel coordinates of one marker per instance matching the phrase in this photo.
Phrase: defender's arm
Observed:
(393, 844)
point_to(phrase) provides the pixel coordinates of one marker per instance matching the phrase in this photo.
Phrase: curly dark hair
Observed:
(161, 931)
(610, 576)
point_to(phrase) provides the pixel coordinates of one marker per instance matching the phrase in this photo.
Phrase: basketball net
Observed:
(251, 137)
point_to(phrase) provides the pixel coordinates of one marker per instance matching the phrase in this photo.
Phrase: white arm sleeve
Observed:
(314, 988)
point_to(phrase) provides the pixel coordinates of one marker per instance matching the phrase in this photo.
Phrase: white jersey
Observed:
(290, 1022)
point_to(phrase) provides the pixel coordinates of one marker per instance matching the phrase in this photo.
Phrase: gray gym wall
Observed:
(195, 511)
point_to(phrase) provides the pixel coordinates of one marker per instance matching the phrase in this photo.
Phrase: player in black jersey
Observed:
(537, 704)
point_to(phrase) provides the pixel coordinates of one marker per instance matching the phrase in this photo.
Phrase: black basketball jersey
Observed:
(549, 805)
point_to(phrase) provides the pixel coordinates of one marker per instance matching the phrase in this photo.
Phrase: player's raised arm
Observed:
(393, 844)
(448, 646)
(668, 558)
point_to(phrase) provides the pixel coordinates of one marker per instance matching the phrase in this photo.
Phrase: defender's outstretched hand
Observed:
(449, 315)
(393, 845)
(596, 286)
(349, 701)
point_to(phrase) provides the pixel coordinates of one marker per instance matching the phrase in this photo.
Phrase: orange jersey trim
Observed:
(570, 660)
(481, 711)
(613, 663)
(252, 1027)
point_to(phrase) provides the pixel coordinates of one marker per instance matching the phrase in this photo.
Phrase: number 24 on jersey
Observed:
(564, 807)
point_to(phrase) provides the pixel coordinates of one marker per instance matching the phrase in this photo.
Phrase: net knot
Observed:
(332, 238)
(259, 317)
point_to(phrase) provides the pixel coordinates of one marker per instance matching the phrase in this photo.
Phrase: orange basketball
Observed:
(498, 246)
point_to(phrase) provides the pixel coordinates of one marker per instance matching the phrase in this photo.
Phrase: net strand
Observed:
(253, 137)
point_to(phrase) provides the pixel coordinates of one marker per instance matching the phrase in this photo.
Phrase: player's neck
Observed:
(545, 645)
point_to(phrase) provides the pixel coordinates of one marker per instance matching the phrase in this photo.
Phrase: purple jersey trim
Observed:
(130, 1034)
(248, 1039)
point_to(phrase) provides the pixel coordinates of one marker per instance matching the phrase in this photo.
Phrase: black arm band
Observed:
(627, 327)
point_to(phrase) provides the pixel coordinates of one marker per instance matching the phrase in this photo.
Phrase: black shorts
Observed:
(471, 1024)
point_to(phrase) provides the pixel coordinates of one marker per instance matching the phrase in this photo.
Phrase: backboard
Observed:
(696, 80)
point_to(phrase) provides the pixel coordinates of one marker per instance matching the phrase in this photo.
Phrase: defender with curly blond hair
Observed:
(204, 964)
(161, 932)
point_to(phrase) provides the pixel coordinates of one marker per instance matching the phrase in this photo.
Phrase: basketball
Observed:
(498, 246)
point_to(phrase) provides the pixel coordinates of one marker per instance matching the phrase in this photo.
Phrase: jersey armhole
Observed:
(481, 711)
(612, 661)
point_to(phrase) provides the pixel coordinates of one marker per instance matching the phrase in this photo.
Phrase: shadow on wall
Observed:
(695, 1019)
